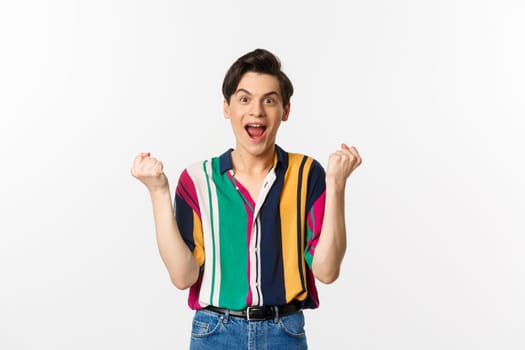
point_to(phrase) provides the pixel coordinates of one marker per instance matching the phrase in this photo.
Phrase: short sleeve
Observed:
(315, 204)
(188, 217)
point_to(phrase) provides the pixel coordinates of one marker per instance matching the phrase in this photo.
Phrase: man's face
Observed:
(255, 112)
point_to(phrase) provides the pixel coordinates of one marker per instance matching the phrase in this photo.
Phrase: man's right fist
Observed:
(150, 172)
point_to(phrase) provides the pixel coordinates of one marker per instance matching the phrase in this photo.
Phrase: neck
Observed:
(248, 163)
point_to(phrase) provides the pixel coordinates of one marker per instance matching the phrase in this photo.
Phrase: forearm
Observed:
(331, 247)
(182, 266)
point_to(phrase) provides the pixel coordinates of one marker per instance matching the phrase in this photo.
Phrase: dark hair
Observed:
(258, 61)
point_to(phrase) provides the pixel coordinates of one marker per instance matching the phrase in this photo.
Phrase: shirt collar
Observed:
(226, 163)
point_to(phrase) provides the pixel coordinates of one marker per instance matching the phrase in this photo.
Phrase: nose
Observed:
(256, 109)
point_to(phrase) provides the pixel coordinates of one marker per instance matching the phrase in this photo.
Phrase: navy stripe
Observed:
(184, 218)
(300, 254)
(272, 269)
(181, 186)
(316, 184)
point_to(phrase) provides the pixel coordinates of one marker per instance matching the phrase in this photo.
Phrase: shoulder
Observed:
(196, 166)
(203, 168)
(304, 161)
(308, 172)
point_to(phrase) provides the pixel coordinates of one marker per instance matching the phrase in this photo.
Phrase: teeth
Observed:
(255, 125)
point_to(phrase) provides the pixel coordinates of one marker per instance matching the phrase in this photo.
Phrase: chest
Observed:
(254, 185)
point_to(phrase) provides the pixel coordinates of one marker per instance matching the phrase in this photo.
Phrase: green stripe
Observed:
(233, 220)
(212, 231)
(309, 233)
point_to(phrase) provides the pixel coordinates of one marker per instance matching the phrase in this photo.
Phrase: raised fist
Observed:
(341, 164)
(150, 172)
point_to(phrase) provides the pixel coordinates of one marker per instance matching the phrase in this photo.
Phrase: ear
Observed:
(286, 113)
(226, 109)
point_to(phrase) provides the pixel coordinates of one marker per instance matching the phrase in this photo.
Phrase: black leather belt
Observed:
(259, 313)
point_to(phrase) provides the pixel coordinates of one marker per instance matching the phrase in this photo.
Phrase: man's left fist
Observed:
(341, 164)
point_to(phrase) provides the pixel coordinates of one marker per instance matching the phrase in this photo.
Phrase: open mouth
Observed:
(255, 130)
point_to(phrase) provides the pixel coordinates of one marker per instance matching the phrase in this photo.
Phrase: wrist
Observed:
(159, 191)
(335, 185)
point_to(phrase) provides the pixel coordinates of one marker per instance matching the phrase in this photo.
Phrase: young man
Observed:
(254, 227)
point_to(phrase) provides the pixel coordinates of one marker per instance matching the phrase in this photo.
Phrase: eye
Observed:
(269, 100)
(243, 99)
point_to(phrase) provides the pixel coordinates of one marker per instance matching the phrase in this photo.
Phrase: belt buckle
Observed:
(248, 312)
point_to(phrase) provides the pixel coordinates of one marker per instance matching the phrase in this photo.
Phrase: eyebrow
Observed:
(249, 93)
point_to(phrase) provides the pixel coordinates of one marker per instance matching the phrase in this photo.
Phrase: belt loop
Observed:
(275, 314)
(226, 316)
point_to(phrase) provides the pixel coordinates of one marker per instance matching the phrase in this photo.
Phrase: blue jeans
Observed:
(214, 331)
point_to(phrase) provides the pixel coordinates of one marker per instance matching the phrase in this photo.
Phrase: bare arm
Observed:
(331, 247)
(182, 266)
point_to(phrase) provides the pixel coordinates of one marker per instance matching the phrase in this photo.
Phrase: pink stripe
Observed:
(318, 213)
(193, 297)
(312, 289)
(249, 297)
(186, 190)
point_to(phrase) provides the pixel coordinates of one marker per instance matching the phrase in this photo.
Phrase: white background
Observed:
(431, 93)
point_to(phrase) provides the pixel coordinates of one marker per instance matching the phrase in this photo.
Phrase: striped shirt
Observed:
(252, 251)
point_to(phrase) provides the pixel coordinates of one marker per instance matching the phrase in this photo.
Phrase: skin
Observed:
(257, 101)
(177, 257)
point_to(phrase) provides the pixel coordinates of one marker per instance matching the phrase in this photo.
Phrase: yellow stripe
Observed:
(198, 238)
(304, 190)
(288, 209)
